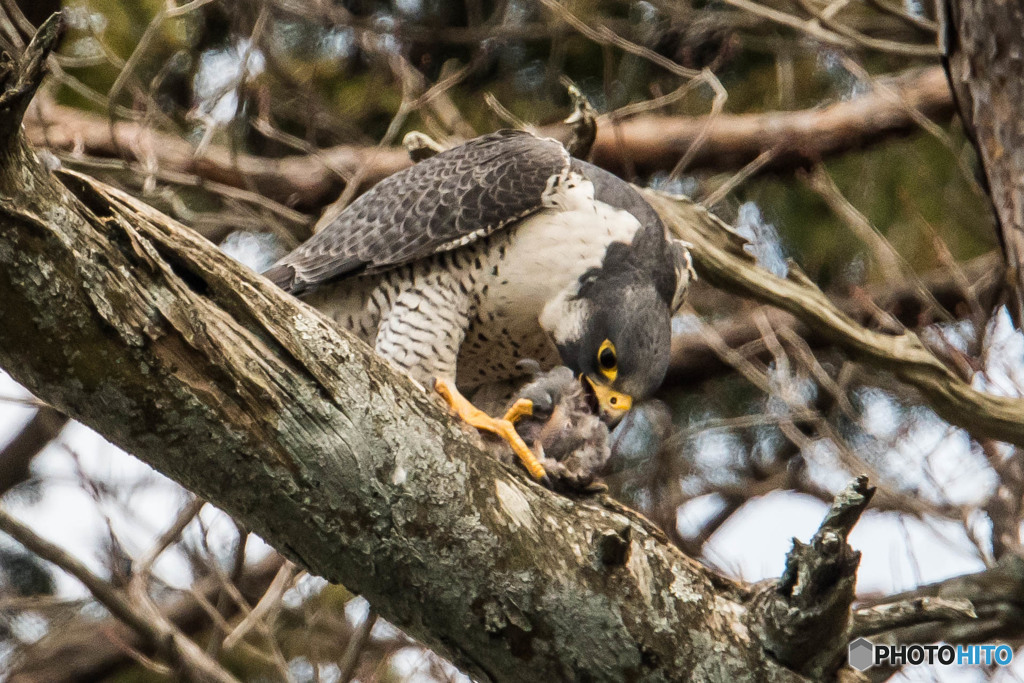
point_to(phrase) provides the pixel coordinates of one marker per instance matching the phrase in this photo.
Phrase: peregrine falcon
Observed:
(501, 249)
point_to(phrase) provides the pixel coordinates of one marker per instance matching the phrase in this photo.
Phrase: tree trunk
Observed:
(985, 51)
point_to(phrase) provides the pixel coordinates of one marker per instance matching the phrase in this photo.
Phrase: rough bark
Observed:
(137, 327)
(802, 618)
(645, 143)
(986, 69)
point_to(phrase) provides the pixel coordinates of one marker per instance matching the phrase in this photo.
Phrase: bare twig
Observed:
(148, 35)
(694, 360)
(503, 113)
(717, 104)
(45, 426)
(891, 262)
(737, 179)
(284, 579)
(925, 25)
(831, 32)
(652, 142)
(858, 38)
(87, 649)
(719, 256)
(105, 594)
(355, 647)
(602, 35)
(138, 612)
(185, 517)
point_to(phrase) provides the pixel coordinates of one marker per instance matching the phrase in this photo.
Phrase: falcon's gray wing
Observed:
(439, 204)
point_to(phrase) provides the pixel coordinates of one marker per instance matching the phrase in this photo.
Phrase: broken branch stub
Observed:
(802, 618)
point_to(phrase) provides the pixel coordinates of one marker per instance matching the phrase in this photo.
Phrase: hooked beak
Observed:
(613, 405)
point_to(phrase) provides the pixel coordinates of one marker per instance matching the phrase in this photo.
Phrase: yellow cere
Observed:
(611, 401)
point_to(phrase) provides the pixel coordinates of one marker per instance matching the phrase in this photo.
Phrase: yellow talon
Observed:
(504, 427)
(523, 407)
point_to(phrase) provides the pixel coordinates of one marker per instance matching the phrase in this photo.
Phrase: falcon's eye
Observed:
(607, 361)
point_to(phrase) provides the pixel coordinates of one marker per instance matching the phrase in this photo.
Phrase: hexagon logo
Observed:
(862, 654)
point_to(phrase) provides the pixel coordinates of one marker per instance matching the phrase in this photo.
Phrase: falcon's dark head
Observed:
(614, 331)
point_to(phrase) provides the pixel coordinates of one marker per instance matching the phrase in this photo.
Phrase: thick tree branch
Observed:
(648, 142)
(144, 331)
(695, 359)
(795, 139)
(902, 613)
(994, 596)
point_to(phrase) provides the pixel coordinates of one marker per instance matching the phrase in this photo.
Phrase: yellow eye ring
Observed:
(607, 360)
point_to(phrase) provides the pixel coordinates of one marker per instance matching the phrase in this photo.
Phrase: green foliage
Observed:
(902, 187)
(114, 29)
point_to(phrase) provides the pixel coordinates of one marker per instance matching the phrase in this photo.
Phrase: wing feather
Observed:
(439, 204)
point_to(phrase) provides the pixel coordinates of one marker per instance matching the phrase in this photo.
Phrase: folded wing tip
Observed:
(283, 276)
